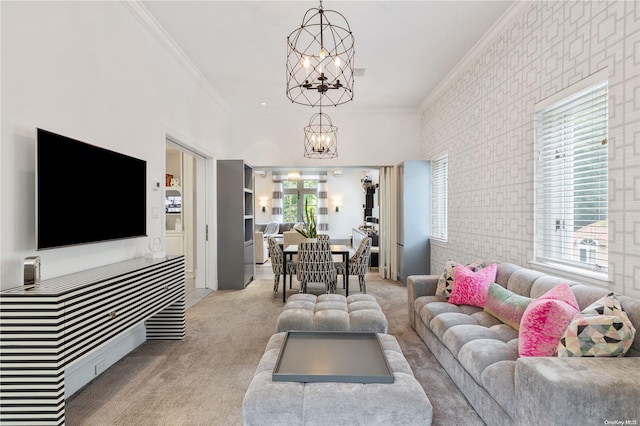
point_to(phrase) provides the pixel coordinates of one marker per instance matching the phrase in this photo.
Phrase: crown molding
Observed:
(498, 28)
(153, 26)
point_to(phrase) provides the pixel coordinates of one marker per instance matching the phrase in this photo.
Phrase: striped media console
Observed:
(46, 329)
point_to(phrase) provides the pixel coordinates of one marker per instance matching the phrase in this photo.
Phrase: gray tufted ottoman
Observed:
(294, 403)
(332, 312)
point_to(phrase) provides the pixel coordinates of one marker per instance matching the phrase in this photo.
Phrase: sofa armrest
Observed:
(258, 236)
(559, 391)
(418, 286)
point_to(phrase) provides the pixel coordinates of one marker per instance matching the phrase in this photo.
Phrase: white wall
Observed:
(484, 119)
(365, 138)
(346, 187)
(90, 71)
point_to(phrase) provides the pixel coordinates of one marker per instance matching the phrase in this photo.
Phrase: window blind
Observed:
(571, 177)
(439, 176)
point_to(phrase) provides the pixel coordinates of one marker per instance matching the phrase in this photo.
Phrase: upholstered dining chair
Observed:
(315, 265)
(323, 238)
(358, 263)
(277, 264)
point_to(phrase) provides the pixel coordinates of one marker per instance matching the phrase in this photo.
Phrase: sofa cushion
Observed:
(505, 332)
(471, 288)
(441, 323)
(546, 283)
(429, 311)
(601, 329)
(545, 320)
(506, 305)
(479, 354)
(521, 281)
(499, 381)
(587, 295)
(485, 320)
(457, 336)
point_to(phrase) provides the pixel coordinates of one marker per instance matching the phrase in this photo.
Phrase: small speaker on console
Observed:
(32, 272)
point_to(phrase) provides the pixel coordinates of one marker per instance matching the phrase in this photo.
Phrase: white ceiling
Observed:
(406, 47)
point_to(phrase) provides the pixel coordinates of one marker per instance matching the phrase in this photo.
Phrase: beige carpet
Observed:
(202, 380)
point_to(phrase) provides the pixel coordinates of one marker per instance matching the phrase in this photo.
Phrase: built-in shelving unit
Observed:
(236, 266)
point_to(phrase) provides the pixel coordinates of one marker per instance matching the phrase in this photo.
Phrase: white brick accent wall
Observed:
(483, 118)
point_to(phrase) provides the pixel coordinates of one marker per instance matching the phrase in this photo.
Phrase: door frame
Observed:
(205, 269)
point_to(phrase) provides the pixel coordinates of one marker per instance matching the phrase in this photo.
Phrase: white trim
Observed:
(150, 23)
(579, 275)
(497, 29)
(441, 155)
(595, 78)
(180, 141)
(205, 262)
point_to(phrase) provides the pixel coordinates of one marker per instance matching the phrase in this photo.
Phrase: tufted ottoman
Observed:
(401, 403)
(332, 312)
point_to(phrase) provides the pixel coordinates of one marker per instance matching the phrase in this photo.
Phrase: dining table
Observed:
(291, 250)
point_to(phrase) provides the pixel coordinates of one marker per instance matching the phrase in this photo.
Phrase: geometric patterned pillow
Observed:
(445, 282)
(592, 334)
(608, 305)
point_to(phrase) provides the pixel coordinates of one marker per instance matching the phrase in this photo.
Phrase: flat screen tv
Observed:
(86, 194)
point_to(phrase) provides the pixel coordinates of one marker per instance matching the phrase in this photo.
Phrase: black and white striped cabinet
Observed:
(46, 329)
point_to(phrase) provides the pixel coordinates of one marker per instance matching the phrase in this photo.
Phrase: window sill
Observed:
(600, 279)
(438, 241)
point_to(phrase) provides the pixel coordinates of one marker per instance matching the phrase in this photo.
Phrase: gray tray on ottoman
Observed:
(324, 356)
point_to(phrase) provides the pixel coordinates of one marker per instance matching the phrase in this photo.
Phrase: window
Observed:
(296, 192)
(439, 176)
(571, 194)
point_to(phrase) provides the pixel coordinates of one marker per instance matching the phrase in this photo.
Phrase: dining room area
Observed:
(314, 264)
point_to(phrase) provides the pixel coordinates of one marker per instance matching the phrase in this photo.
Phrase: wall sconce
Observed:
(336, 203)
(263, 204)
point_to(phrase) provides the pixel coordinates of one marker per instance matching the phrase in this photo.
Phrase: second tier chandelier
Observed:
(320, 137)
(320, 59)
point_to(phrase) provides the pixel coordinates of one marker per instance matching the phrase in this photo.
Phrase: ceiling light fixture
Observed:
(320, 137)
(320, 59)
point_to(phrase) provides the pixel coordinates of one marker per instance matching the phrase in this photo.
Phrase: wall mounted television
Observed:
(86, 194)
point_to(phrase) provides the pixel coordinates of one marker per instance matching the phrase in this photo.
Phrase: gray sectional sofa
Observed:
(480, 354)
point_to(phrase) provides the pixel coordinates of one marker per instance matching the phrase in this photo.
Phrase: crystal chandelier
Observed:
(320, 59)
(320, 137)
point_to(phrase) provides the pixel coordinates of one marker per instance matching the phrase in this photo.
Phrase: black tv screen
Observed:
(86, 194)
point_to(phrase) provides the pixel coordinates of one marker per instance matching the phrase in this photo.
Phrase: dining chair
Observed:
(358, 263)
(277, 264)
(315, 265)
(323, 238)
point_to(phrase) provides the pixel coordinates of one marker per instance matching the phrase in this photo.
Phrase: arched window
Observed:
(588, 250)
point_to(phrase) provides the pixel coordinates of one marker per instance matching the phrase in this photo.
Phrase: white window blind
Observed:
(571, 194)
(439, 176)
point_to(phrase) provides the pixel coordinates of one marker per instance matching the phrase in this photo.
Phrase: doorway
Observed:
(186, 215)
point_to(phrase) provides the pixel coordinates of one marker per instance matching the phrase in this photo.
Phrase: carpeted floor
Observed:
(202, 380)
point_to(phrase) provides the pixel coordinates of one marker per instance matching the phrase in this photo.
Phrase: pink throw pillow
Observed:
(545, 320)
(471, 288)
